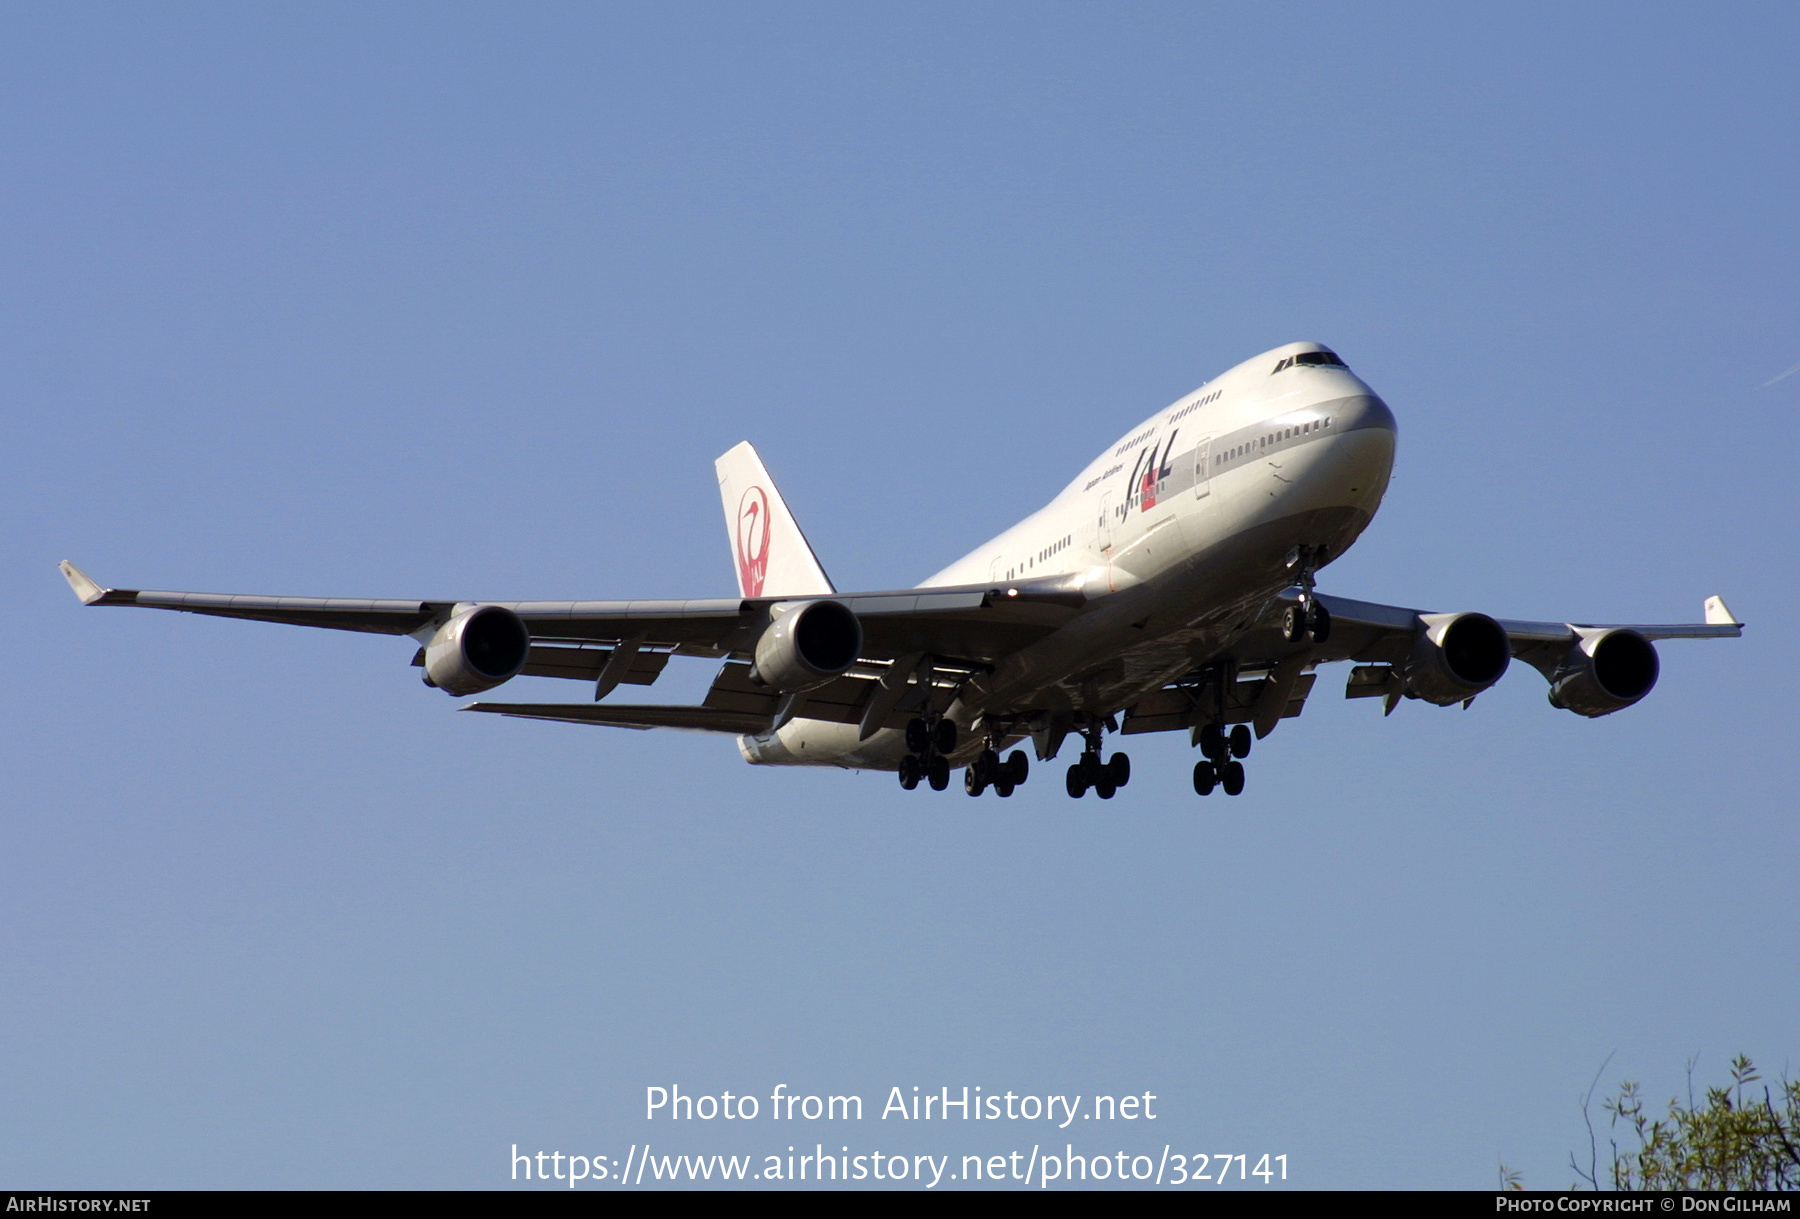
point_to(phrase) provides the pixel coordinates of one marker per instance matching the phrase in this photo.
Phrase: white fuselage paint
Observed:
(1174, 562)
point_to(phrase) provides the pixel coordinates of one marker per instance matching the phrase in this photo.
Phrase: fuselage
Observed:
(1177, 534)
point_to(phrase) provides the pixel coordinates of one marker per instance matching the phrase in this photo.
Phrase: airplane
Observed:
(1171, 587)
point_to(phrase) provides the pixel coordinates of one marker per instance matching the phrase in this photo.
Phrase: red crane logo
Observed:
(753, 541)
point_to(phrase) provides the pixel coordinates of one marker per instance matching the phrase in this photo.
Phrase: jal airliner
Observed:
(1170, 587)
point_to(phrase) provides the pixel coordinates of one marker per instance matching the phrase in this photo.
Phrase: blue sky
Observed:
(463, 301)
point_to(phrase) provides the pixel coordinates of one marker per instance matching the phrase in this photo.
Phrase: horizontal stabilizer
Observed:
(694, 719)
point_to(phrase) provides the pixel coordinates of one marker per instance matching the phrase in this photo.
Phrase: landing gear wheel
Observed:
(937, 771)
(1104, 790)
(1119, 770)
(1018, 766)
(1293, 624)
(972, 781)
(1076, 783)
(909, 771)
(1240, 741)
(1231, 778)
(1318, 623)
(1003, 789)
(1212, 743)
(987, 766)
(918, 736)
(1206, 777)
(945, 737)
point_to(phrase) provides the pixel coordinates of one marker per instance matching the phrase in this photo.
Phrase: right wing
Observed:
(613, 715)
(873, 696)
(974, 625)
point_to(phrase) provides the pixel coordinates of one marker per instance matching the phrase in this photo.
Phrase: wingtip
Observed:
(1718, 614)
(84, 587)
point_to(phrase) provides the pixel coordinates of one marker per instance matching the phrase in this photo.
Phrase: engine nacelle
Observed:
(808, 644)
(1457, 657)
(477, 650)
(1605, 672)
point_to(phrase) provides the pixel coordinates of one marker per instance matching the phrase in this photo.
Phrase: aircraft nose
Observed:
(1362, 453)
(1364, 412)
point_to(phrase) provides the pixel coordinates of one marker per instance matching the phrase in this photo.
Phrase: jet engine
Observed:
(477, 650)
(808, 644)
(1606, 672)
(1457, 657)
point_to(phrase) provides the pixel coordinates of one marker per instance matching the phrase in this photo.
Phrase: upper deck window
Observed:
(1310, 357)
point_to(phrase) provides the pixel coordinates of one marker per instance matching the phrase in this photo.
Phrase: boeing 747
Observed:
(1171, 587)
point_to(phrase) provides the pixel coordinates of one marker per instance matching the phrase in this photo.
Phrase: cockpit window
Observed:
(1315, 358)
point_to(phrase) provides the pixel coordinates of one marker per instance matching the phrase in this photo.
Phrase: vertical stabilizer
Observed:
(767, 547)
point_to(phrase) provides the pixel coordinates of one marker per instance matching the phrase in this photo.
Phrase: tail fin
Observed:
(771, 554)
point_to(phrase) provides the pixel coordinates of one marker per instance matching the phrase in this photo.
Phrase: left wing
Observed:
(1366, 631)
(1593, 668)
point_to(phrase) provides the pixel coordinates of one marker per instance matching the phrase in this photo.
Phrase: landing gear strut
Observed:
(1105, 778)
(1309, 619)
(1221, 767)
(925, 738)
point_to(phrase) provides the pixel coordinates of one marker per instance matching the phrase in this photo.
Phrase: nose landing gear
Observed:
(1309, 619)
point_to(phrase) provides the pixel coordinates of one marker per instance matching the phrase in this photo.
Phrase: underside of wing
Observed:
(1236, 700)
(384, 617)
(609, 643)
(1593, 669)
(693, 719)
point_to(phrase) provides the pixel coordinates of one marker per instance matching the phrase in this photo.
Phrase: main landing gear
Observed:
(1105, 778)
(929, 743)
(1309, 619)
(987, 770)
(1221, 767)
(932, 742)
